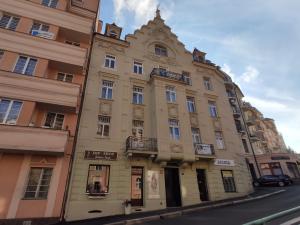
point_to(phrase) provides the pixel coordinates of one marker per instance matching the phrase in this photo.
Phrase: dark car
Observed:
(280, 180)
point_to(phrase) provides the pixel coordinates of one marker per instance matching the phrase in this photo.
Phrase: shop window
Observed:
(98, 180)
(228, 180)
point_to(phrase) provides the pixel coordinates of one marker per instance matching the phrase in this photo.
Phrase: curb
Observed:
(187, 211)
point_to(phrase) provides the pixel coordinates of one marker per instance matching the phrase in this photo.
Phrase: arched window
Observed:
(161, 50)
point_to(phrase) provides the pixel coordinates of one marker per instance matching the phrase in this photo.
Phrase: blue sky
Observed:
(256, 42)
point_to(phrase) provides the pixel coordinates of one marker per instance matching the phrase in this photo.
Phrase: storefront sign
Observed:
(99, 155)
(153, 184)
(224, 162)
(280, 157)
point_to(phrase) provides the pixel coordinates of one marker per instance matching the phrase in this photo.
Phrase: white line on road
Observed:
(290, 222)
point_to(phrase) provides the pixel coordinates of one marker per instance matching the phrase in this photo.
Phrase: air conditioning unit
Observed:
(42, 34)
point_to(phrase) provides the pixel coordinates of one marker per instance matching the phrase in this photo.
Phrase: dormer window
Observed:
(113, 34)
(160, 50)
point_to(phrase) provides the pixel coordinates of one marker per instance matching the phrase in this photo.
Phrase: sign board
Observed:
(224, 162)
(100, 155)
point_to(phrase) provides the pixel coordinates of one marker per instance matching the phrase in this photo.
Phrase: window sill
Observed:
(102, 137)
(193, 113)
(97, 196)
(172, 103)
(138, 104)
(106, 99)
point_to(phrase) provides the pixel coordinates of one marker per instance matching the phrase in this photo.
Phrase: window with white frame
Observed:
(110, 61)
(212, 109)
(36, 27)
(138, 95)
(103, 126)
(107, 89)
(65, 77)
(187, 77)
(98, 180)
(171, 94)
(9, 22)
(9, 111)
(196, 135)
(207, 83)
(174, 129)
(54, 120)
(219, 140)
(38, 183)
(25, 65)
(161, 50)
(50, 3)
(138, 128)
(191, 104)
(137, 67)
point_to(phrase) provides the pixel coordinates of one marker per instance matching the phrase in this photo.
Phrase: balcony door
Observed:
(137, 186)
(137, 133)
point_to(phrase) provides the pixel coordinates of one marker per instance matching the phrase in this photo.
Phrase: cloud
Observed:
(250, 74)
(227, 69)
(141, 10)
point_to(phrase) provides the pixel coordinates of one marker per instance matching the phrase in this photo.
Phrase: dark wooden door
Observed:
(172, 183)
(202, 185)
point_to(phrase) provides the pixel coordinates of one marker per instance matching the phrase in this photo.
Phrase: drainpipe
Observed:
(247, 131)
(65, 197)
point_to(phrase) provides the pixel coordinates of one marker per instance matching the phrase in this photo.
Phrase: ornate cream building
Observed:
(157, 129)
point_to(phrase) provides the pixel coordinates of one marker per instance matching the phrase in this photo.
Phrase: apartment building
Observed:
(157, 129)
(271, 153)
(44, 49)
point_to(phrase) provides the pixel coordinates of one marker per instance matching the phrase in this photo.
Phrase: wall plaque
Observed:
(100, 155)
(224, 162)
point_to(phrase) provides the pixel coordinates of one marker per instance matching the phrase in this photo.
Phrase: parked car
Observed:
(280, 180)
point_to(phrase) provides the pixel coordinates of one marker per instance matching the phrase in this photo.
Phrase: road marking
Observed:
(290, 222)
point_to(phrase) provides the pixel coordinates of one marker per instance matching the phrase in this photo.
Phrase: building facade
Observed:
(157, 129)
(44, 49)
(271, 153)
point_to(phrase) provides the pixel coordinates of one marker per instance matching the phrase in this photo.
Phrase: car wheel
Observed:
(280, 184)
(256, 184)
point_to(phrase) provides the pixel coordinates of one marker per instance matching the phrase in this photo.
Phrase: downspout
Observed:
(247, 131)
(94, 27)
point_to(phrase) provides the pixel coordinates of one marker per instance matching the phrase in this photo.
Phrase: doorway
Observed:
(173, 196)
(252, 171)
(202, 185)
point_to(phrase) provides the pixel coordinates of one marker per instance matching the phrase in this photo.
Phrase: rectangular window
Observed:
(187, 77)
(9, 22)
(98, 180)
(110, 61)
(174, 129)
(138, 128)
(50, 3)
(65, 77)
(54, 120)
(212, 109)
(25, 65)
(38, 183)
(207, 83)
(196, 135)
(137, 184)
(138, 96)
(228, 180)
(160, 50)
(37, 27)
(103, 126)
(219, 140)
(107, 89)
(245, 145)
(171, 94)
(9, 111)
(191, 104)
(138, 68)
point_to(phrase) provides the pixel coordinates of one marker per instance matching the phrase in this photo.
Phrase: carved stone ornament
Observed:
(176, 148)
(173, 111)
(105, 108)
(138, 113)
(194, 120)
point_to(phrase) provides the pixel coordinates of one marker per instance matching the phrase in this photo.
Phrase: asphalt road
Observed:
(242, 213)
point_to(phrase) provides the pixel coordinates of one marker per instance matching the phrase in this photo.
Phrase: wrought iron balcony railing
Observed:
(204, 149)
(141, 144)
(183, 78)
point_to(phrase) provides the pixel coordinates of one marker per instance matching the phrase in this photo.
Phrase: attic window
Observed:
(113, 34)
(160, 50)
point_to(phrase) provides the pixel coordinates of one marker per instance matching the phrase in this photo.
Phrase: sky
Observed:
(256, 42)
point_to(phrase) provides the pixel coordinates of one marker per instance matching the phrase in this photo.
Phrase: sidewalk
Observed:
(140, 217)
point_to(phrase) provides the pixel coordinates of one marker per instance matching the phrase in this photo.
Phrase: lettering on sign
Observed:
(224, 162)
(100, 155)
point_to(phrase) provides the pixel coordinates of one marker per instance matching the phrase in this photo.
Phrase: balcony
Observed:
(236, 112)
(251, 121)
(42, 47)
(37, 89)
(46, 14)
(146, 147)
(254, 137)
(181, 78)
(18, 139)
(204, 150)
